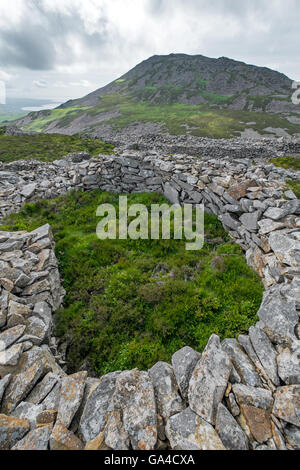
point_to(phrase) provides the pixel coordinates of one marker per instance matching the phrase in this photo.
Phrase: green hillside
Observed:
(185, 94)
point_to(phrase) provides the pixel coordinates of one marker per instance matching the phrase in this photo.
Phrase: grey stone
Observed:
(229, 222)
(93, 418)
(232, 405)
(253, 396)
(278, 318)
(286, 249)
(134, 401)
(242, 363)
(287, 404)
(42, 389)
(11, 356)
(266, 352)
(250, 220)
(28, 190)
(289, 365)
(20, 386)
(37, 439)
(9, 337)
(51, 401)
(71, 394)
(171, 194)
(292, 436)
(3, 384)
(267, 226)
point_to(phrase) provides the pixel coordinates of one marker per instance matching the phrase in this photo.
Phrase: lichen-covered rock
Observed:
(289, 366)
(11, 356)
(259, 422)
(187, 431)
(244, 367)
(20, 386)
(168, 399)
(63, 439)
(42, 389)
(28, 411)
(92, 421)
(71, 393)
(37, 439)
(9, 337)
(292, 436)
(287, 404)
(46, 417)
(97, 444)
(253, 396)
(135, 401)
(12, 430)
(209, 380)
(266, 352)
(184, 362)
(230, 433)
(279, 318)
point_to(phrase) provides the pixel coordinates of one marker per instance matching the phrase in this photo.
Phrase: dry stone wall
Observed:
(239, 394)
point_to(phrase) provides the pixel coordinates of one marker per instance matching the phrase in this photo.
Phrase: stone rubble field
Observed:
(237, 395)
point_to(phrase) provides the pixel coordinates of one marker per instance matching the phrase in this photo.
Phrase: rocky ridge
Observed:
(239, 394)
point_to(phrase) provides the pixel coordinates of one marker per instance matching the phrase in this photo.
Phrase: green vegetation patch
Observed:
(47, 147)
(289, 163)
(132, 303)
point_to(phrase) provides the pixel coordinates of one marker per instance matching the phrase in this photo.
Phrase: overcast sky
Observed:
(62, 49)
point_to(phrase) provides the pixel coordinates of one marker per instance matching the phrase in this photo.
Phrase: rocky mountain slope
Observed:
(180, 94)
